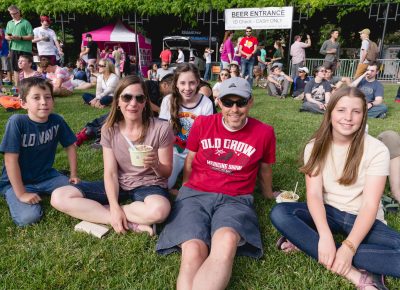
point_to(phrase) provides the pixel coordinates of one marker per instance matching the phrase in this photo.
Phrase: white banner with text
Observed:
(259, 18)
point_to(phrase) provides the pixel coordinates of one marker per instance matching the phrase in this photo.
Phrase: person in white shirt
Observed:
(46, 40)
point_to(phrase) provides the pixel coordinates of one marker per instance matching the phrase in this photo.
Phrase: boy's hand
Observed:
(29, 198)
(74, 180)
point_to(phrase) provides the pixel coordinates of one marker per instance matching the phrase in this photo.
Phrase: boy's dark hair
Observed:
(28, 57)
(26, 84)
(70, 65)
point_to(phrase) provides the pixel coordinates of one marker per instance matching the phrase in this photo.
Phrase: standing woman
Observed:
(105, 86)
(228, 50)
(279, 53)
(345, 171)
(130, 121)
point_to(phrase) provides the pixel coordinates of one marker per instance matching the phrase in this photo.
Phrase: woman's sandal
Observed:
(289, 246)
(376, 281)
(134, 227)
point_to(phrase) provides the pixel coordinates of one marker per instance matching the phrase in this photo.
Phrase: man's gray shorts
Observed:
(197, 215)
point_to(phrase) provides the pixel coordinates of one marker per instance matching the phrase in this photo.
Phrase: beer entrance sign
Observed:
(259, 18)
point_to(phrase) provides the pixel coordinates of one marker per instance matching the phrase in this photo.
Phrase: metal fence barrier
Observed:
(389, 69)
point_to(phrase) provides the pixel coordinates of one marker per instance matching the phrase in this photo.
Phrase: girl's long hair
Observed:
(279, 45)
(116, 116)
(176, 98)
(323, 139)
(226, 35)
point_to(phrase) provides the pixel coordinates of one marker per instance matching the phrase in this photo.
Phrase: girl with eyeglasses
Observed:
(345, 171)
(181, 108)
(223, 75)
(107, 81)
(130, 123)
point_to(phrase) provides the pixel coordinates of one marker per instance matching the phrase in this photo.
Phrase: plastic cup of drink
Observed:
(137, 154)
(287, 196)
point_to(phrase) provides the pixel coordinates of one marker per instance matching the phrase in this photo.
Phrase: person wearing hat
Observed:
(19, 33)
(91, 50)
(299, 83)
(278, 81)
(234, 69)
(213, 218)
(46, 40)
(363, 64)
(317, 93)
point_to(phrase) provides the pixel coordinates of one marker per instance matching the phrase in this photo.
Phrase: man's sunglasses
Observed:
(128, 97)
(239, 103)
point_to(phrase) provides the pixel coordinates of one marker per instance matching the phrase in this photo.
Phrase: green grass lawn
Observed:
(51, 255)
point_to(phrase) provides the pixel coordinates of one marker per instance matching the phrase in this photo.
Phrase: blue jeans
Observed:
(247, 69)
(105, 101)
(378, 111)
(378, 253)
(24, 214)
(207, 72)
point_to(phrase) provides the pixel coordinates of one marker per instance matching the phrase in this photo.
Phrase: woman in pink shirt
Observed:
(228, 50)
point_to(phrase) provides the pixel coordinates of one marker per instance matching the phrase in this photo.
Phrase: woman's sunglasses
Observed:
(128, 97)
(239, 103)
(224, 75)
(101, 65)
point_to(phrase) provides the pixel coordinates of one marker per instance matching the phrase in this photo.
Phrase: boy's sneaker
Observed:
(397, 99)
(81, 137)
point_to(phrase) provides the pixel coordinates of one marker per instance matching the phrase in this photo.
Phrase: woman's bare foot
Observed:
(141, 228)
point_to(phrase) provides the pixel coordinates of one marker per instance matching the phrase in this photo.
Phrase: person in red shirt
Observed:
(213, 218)
(247, 50)
(166, 56)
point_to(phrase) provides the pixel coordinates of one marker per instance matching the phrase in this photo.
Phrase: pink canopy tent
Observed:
(119, 33)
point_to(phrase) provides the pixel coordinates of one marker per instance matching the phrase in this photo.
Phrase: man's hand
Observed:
(29, 198)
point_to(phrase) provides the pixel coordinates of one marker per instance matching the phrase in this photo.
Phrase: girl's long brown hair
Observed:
(226, 35)
(323, 139)
(116, 116)
(176, 98)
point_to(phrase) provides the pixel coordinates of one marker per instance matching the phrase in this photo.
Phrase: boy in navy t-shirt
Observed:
(29, 146)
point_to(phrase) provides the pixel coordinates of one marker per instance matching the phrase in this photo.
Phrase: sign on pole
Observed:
(259, 18)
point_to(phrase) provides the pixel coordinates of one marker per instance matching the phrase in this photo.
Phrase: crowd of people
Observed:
(220, 155)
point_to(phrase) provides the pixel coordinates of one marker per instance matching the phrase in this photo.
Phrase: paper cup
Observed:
(287, 196)
(137, 154)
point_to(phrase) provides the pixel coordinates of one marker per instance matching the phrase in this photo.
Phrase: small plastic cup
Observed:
(287, 196)
(137, 154)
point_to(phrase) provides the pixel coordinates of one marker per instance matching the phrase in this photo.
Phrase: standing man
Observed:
(19, 33)
(363, 64)
(213, 218)
(298, 54)
(91, 50)
(166, 56)
(331, 49)
(46, 40)
(247, 50)
(373, 91)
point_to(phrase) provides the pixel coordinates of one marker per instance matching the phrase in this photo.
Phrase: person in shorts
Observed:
(129, 124)
(213, 218)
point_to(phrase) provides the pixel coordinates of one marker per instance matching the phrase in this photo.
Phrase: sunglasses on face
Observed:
(128, 97)
(224, 75)
(101, 65)
(239, 103)
(248, 31)
(164, 65)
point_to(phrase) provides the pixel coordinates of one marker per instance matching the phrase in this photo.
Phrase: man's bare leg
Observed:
(216, 270)
(194, 253)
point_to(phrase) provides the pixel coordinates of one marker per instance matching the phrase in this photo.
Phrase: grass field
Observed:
(50, 255)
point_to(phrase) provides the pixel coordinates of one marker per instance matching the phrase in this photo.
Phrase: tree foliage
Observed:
(183, 8)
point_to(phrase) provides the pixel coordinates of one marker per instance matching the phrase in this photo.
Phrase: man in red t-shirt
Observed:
(166, 56)
(213, 218)
(247, 49)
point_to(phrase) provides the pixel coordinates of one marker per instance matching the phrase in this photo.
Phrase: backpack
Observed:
(372, 52)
